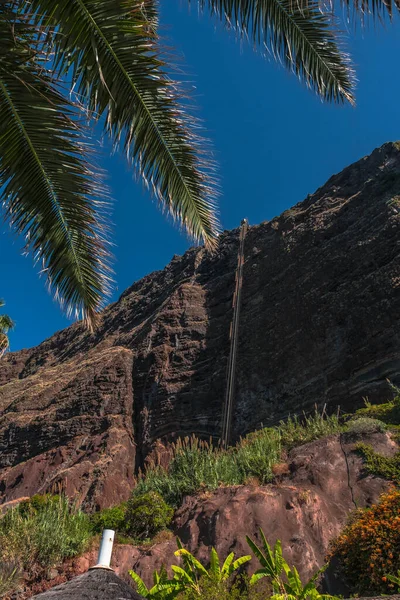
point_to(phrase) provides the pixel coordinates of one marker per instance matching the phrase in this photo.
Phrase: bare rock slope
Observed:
(320, 322)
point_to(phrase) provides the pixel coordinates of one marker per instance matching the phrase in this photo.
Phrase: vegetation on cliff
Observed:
(369, 547)
(192, 579)
(39, 534)
(197, 465)
(42, 532)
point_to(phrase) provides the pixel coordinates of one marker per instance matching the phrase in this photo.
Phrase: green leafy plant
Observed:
(238, 590)
(192, 572)
(285, 581)
(146, 514)
(162, 588)
(191, 577)
(110, 518)
(37, 503)
(394, 579)
(364, 425)
(387, 467)
(387, 412)
(39, 536)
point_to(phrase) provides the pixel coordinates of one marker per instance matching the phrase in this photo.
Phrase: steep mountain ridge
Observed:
(319, 323)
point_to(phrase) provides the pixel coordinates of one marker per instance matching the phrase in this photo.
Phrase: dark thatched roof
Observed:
(97, 584)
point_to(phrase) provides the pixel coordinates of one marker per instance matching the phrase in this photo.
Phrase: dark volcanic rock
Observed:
(319, 323)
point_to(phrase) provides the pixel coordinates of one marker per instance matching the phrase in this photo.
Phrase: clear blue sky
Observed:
(274, 140)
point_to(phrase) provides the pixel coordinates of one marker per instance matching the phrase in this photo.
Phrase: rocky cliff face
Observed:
(320, 323)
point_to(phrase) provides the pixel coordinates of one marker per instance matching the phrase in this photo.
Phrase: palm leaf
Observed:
(377, 9)
(239, 562)
(258, 554)
(6, 323)
(183, 574)
(258, 575)
(214, 564)
(299, 35)
(141, 587)
(225, 571)
(192, 560)
(110, 49)
(50, 192)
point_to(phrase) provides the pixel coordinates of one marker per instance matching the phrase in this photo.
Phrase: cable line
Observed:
(234, 335)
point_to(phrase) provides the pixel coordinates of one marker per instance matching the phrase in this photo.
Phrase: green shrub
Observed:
(37, 503)
(146, 514)
(110, 518)
(387, 467)
(365, 425)
(42, 535)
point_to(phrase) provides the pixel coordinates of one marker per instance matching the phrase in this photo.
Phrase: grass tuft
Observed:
(197, 465)
(41, 538)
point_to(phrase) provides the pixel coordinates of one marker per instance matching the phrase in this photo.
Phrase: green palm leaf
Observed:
(188, 556)
(239, 562)
(49, 190)
(141, 587)
(110, 48)
(6, 323)
(298, 34)
(215, 570)
(378, 9)
(226, 567)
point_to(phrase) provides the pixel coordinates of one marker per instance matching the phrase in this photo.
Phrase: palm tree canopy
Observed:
(299, 35)
(108, 53)
(6, 323)
(51, 193)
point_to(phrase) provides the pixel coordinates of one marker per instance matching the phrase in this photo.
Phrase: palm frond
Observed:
(6, 323)
(298, 34)
(362, 9)
(111, 50)
(50, 193)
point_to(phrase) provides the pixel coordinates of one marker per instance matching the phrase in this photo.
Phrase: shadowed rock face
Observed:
(319, 323)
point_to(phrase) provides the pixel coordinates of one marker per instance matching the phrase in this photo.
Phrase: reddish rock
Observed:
(319, 323)
(305, 511)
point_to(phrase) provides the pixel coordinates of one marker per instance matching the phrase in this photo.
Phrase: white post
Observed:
(105, 550)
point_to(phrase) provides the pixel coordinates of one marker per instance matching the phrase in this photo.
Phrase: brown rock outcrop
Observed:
(308, 509)
(305, 511)
(319, 323)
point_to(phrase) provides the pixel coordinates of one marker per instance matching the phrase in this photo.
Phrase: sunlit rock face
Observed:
(320, 323)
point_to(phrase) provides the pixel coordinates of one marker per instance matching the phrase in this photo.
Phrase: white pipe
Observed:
(105, 550)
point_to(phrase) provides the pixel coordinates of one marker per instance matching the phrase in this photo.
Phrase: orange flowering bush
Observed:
(369, 547)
